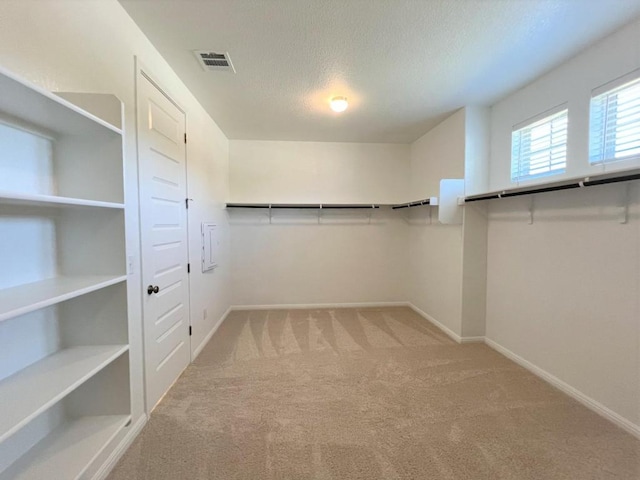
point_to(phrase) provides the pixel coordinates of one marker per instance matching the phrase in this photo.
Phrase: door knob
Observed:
(151, 289)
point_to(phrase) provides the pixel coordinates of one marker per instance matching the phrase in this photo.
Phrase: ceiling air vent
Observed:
(212, 61)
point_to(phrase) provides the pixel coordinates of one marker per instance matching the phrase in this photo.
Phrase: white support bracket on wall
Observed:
(531, 209)
(428, 219)
(624, 208)
(427, 202)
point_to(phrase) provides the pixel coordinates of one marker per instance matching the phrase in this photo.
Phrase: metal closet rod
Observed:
(426, 201)
(555, 188)
(323, 206)
(327, 206)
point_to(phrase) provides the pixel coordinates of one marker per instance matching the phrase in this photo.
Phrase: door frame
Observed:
(141, 70)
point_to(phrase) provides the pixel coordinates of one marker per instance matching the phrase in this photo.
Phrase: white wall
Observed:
(208, 185)
(344, 258)
(68, 45)
(317, 172)
(435, 250)
(474, 270)
(438, 154)
(296, 261)
(474, 249)
(477, 149)
(571, 83)
(563, 293)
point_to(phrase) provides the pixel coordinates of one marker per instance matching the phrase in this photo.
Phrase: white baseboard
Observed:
(126, 442)
(206, 339)
(585, 400)
(574, 393)
(307, 306)
(471, 339)
(454, 336)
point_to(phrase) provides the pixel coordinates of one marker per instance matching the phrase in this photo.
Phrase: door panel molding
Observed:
(164, 242)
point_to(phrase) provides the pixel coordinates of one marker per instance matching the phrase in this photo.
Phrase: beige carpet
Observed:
(367, 394)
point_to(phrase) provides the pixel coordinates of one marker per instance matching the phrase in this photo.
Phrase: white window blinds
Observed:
(614, 128)
(540, 148)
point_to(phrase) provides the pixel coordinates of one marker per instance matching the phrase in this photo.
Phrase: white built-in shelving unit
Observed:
(64, 347)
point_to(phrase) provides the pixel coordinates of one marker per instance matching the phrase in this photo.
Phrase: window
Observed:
(539, 149)
(614, 130)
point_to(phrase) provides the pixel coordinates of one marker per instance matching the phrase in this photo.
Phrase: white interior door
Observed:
(164, 246)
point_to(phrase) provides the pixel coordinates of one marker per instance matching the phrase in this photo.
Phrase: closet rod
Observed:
(555, 188)
(322, 206)
(238, 205)
(426, 201)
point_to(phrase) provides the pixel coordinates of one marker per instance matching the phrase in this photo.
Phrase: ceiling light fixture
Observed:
(339, 104)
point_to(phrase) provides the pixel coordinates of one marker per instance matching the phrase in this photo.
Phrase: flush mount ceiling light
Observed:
(339, 104)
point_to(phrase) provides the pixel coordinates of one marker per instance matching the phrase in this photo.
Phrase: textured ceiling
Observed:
(403, 64)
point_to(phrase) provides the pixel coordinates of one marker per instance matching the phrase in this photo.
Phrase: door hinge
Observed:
(185, 138)
(188, 268)
(189, 330)
(186, 203)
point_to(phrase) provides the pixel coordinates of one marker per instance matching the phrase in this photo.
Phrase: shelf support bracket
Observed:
(624, 209)
(531, 209)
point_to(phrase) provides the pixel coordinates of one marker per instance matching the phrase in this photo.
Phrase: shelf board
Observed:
(36, 388)
(26, 298)
(54, 201)
(575, 183)
(68, 450)
(33, 106)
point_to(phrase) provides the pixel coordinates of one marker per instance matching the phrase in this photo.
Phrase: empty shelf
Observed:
(68, 450)
(556, 186)
(36, 200)
(26, 298)
(34, 389)
(31, 105)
